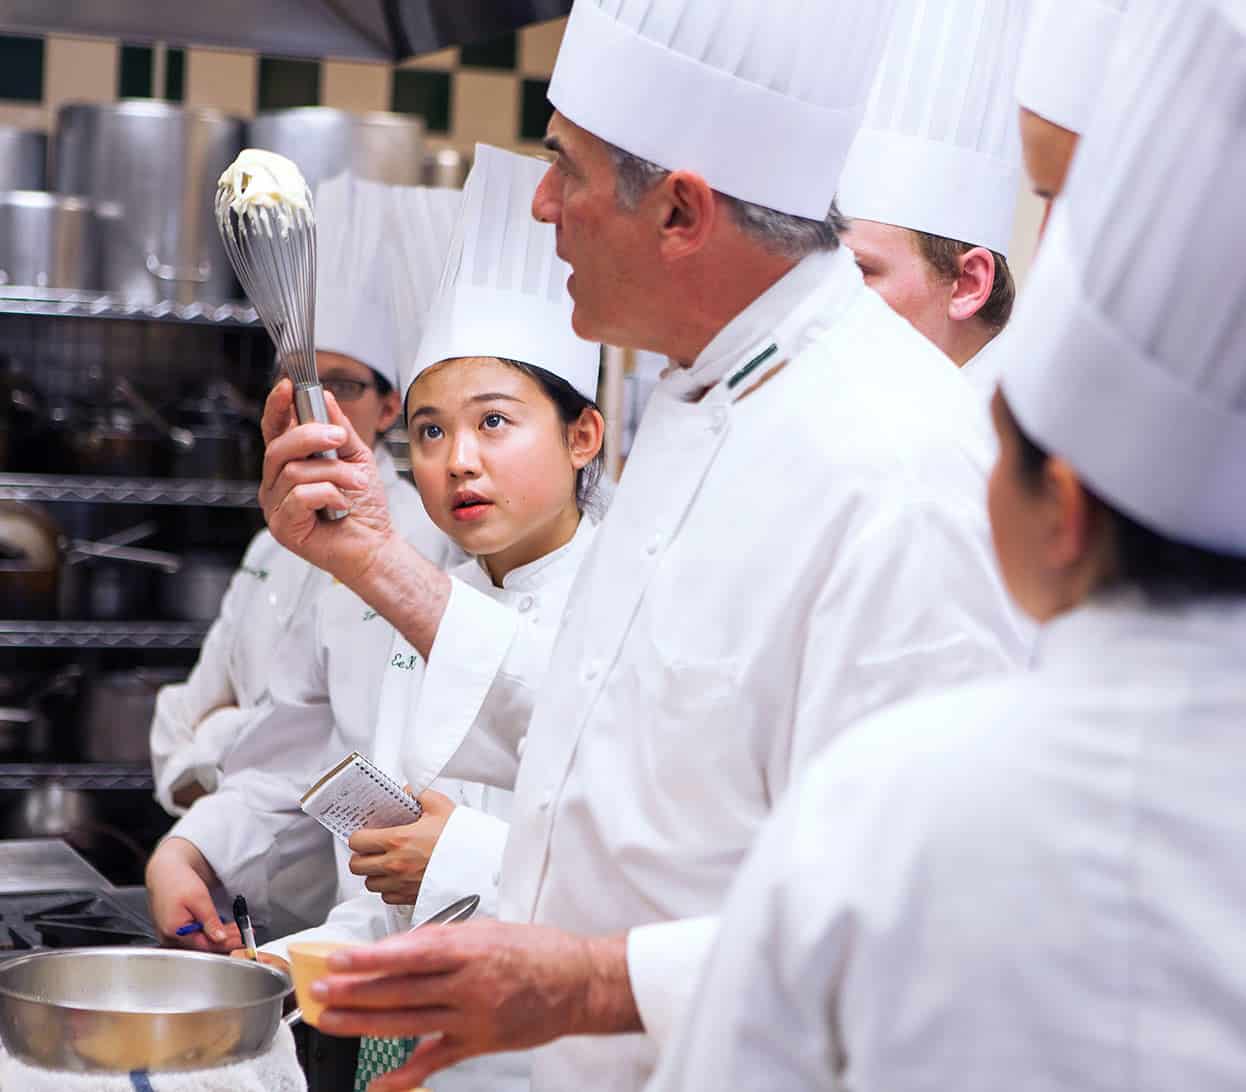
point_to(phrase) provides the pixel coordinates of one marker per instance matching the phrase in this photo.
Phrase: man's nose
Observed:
(545, 202)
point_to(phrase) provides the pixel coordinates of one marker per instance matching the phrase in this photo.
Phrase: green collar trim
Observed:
(751, 367)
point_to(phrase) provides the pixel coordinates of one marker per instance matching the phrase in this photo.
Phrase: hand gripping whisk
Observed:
(272, 247)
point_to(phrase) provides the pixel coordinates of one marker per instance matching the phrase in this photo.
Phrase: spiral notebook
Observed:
(356, 795)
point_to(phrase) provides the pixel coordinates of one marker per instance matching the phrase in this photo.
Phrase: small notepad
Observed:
(356, 795)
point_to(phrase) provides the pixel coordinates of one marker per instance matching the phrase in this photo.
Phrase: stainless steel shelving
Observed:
(73, 775)
(60, 303)
(126, 635)
(172, 491)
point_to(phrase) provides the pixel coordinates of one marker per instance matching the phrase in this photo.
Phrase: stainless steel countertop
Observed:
(46, 864)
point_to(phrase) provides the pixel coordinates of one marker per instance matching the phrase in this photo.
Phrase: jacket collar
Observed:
(544, 569)
(774, 327)
(1122, 628)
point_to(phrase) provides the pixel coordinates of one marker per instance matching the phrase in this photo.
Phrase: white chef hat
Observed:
(940, 148)
(1130, 344)
(423, 220)
(1067, 49)
(503, 292)
(379, 254)
(760, 97)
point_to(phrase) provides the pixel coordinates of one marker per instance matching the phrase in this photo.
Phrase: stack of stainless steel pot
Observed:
(152, 169)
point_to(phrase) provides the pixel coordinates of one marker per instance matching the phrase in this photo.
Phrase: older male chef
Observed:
(1067, 47)
(1036, 883)
(932, 182)
(283, 866)
(799, 536)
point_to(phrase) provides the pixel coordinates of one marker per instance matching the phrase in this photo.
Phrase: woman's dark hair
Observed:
(570, 403)
(383, 385)
(1165, 570)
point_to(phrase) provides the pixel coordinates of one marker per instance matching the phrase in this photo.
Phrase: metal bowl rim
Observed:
(287, 987)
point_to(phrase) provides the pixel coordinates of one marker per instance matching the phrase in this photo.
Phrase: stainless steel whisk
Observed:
(273, 252)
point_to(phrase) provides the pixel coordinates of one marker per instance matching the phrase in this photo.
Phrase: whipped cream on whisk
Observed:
(258, 181)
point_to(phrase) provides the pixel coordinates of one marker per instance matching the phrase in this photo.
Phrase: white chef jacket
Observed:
(281, 863)
(790, 552)
(491, 642)
(985, 367)
(196, 721)
(1033, 884)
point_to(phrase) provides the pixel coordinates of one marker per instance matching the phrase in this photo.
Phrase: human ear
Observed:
(687, 210)
(585, 436)
(1071, 525)
(391, 405)
(973, 285)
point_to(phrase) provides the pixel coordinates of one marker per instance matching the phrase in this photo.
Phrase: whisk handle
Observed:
(309, 405)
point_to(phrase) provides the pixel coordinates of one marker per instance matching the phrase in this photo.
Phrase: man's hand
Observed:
(477, 988)
(266, 958)
(296, 486)
(395, 858)
(179, 881)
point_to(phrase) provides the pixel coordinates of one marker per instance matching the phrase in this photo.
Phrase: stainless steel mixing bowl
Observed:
(115, 1010)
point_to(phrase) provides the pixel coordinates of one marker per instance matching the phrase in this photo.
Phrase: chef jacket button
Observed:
(527, 603)
(653, 545)
(272, 599)
(521, 746)
(592, 671)
(719, 419)
(547, 798)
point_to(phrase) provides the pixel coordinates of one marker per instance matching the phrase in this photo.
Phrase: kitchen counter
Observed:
(46, 864)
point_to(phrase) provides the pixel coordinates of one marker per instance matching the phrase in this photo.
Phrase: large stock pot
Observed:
(376, 146)
(153, 168)
(23, 159)
(48, 240)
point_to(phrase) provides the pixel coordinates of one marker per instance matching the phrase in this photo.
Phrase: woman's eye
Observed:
(431, 432)
(494, 420)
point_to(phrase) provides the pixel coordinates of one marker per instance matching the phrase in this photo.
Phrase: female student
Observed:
(505, 446)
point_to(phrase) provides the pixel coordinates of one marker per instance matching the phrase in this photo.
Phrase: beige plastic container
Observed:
(309, 961)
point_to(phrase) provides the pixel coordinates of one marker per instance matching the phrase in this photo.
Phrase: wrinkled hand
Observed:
(476, 989)
(179, 881)
(395, 858)
(266, 958)
(295, 487)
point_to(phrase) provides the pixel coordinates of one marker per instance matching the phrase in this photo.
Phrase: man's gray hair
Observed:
(793, 237)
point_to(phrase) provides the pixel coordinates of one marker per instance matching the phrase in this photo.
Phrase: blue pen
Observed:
(193, 927)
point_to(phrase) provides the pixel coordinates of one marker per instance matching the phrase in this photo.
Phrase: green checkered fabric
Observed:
(379, 1056)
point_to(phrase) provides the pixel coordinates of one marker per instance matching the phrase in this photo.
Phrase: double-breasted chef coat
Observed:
(1032, 884)
(787, 551)
(267, 623)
